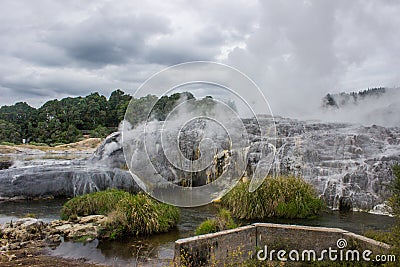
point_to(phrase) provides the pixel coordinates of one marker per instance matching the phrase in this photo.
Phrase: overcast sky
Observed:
(296, 51)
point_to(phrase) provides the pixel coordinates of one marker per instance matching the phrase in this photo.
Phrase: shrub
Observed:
(382, 236)
(206, 227)
(141, 215)
(222, 221)
(100, 132)
(100, 203)
(127, 214)
(284, 197)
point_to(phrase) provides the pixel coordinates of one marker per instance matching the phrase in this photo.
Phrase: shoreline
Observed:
(28, 241)
(37, 254)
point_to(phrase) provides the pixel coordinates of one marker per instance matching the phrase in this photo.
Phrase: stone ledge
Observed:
(242, 242)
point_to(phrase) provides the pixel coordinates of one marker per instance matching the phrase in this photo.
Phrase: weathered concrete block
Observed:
(220, 248)
(234, 246)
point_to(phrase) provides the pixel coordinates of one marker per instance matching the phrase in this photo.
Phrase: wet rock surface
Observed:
(5, 164)
(25, 241)
(26, 231)
(62, 180)
(343, 161)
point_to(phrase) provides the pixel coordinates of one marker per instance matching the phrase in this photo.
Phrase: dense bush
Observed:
(285, 197)
(222, 221)
(100, 132)
(9, 133)
(127, 214)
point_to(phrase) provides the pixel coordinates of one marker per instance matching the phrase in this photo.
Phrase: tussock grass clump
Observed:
(127, 214)
(223, 221)
(99, 203)
(282, 197)
(140, 215)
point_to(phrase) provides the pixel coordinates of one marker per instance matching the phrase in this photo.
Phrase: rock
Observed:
(24, 231)
(97, 219)
(14, 246)
(345, 204)
(109, 152)
(81, 230)
(5, 164)
(340, 160)
(11, 257)
(64, 228)
(59, 180)
(55, 238)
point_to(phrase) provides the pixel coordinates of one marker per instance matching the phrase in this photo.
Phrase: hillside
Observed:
(69, 119)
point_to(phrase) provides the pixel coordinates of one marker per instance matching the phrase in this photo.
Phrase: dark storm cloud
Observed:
(303, 50)
(296, 51)
(102, 40)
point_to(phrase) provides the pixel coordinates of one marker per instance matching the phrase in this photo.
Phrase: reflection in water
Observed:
(46, 210)
(356, 222)
(158, 250)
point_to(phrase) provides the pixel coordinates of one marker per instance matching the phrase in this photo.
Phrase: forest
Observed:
(341, 99)
(70, 119)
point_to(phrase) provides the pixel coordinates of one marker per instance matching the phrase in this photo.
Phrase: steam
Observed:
(380, 110)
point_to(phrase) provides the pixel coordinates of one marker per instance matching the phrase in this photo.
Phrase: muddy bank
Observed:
(28, 241)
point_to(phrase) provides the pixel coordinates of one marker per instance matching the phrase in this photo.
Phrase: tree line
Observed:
(68, 119)
(341, 99)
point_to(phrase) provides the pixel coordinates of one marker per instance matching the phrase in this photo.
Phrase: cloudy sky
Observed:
(296, 51)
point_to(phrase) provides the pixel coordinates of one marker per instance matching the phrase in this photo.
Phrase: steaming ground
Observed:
(382, 110)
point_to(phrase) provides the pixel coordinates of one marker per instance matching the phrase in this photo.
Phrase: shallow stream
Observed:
(158, 250)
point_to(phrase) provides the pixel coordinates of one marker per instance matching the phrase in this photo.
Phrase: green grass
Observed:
(222, 221)
(7, 143)
(30, 215)
(382, 236)
(128, 214)
(282, 197)
(207, 227)
(100, 203)
(141, 215)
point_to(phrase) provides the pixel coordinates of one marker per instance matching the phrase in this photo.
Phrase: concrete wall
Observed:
(240, 244)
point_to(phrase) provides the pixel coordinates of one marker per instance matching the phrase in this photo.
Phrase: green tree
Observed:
(117, 104)
(9, 132)
(22, 116)
(72, 134)
(139, 109)
(95, 111)
(100, 132)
